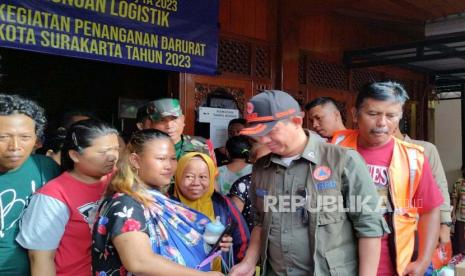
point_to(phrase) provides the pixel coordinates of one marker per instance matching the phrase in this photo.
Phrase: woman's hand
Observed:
(226, 243)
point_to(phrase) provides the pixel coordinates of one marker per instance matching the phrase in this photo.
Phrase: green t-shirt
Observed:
(15, 189)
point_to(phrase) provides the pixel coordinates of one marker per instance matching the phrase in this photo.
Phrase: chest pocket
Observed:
(330, 206)
(332, 225)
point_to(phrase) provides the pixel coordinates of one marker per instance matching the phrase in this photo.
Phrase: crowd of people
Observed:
(326, 201)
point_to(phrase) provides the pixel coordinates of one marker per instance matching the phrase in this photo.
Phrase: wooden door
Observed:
(195, 89)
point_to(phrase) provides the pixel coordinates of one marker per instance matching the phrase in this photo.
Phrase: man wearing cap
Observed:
(166, 115)
(299, 193)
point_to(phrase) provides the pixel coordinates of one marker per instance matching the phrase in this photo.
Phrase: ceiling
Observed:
(439, 56)
(442, 56)
(398, 11)
(408, 16)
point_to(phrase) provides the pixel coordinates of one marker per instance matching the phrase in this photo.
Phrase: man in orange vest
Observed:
(402, 176)
(325, 116)
(326, 119)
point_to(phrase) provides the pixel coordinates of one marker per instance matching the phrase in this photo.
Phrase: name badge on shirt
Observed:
(326, 185)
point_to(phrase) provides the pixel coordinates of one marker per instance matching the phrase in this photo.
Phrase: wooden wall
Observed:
(332, 34)
(272, 25)
(249, 18)
(248, 36)
(324, 38)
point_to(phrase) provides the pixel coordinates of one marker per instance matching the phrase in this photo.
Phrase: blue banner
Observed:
(177, 35)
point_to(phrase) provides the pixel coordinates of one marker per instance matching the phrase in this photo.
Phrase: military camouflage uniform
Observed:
(194, 143)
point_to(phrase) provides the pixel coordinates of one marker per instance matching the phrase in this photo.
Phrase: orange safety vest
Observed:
(347, 136)
(405, 173)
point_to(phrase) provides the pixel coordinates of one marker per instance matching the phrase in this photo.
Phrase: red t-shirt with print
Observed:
(73, 256)
(427, 196)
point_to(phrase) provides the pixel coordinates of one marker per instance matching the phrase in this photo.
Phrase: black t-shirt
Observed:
(240, 188)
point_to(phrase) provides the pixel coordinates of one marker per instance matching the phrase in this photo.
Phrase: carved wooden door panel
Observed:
(195, 89)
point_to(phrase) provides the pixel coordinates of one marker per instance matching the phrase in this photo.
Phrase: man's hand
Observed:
(243, 268)
(368, 263)
(444, 234)
(416, 268)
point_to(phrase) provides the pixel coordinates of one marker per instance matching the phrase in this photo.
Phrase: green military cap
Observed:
(163, 108)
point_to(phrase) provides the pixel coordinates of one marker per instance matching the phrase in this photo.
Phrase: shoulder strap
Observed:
(240, 226)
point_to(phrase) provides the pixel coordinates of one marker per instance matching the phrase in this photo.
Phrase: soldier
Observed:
(166, 115)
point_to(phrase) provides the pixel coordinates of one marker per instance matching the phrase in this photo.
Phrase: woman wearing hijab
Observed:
(195, 187)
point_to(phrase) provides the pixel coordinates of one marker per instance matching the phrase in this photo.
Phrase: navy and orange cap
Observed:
(266, 109)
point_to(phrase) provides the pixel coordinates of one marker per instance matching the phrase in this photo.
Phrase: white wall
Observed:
(448, 137)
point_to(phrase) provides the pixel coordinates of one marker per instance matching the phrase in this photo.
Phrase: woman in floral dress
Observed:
(139, 230)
